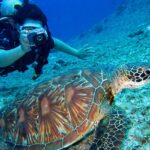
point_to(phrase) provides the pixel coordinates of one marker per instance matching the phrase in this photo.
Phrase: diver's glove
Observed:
(25, 45)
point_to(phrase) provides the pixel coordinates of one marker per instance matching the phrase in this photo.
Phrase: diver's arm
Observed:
(60, 45)
(9, 57)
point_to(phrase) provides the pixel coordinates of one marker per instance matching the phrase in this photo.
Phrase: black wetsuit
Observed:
(9, 38)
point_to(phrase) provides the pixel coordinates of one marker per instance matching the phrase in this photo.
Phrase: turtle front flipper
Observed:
(111, 131)
(109, 135)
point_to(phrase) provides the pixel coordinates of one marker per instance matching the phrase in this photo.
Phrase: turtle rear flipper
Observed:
(111, 131)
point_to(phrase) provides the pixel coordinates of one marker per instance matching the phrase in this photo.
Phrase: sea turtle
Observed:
(65, 111)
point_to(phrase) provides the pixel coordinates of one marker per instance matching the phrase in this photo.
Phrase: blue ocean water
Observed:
(125, 39)
(69, 18)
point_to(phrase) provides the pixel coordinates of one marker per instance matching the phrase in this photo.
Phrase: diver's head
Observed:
(31, 23)
(35, 15)
(8, 7)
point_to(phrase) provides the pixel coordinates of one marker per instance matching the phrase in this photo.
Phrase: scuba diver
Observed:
(25, 38)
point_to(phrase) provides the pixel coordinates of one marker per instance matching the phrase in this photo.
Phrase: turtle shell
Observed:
(56, 113)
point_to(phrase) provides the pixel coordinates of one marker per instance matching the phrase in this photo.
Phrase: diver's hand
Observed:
(85, 52)
(25, 45)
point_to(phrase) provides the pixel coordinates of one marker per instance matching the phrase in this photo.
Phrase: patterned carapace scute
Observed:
(57, 113)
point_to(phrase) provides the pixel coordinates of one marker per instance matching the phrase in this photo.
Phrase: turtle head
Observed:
(130, 77)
